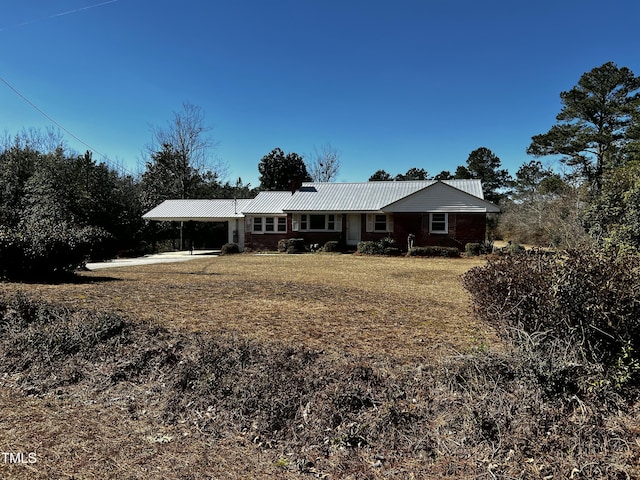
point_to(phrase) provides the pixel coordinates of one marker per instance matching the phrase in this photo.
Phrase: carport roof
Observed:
(214, 210)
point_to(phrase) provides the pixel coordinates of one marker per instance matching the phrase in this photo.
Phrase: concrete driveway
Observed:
(166, 257)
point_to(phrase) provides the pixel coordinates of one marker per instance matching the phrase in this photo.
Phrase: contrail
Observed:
(61, 14)
(83, 8)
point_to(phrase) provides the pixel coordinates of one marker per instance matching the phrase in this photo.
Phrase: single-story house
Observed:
(434, 212)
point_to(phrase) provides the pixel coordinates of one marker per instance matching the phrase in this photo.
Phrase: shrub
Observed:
(296, 245)
(475, 249)
(229, 249)
(45, 248)
(384, 246)
(331, 246)
(435, 251)
(577, 315)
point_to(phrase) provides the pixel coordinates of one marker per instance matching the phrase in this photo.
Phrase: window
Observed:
(331, 222)
(308, 222)
(379, 222)
(317, 222)
(269, 225)
(438, 223)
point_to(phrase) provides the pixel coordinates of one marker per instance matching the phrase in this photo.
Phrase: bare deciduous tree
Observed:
(324, 163)
(189, 138)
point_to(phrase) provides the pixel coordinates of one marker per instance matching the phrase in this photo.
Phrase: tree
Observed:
(533, 179)
(413, 174)
(180, 164)
(380, 176)
(282, 172)
(462, 173)
(444, 175)
(324, 164)
(543, 209)
(592, 127)
(483, 164)
(612, 218)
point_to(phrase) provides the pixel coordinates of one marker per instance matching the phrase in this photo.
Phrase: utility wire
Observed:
(34, 106)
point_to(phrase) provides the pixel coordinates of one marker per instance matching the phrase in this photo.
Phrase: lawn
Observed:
(326, 350)
(406, 308)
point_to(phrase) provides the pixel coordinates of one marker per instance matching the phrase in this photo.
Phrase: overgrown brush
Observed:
(464, 417)
(576, 315)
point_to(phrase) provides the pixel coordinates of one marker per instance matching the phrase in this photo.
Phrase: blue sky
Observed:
(391, 85)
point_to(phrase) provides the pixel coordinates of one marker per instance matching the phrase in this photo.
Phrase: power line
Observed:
(60, 126)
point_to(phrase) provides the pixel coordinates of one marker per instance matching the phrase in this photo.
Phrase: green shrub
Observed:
(47, 248)
(229, 249)
(384, 246)
(296, 245)
(331, 246)
(475, 249)
(434, 251)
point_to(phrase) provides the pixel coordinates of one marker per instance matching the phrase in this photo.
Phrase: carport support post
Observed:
(181, 242)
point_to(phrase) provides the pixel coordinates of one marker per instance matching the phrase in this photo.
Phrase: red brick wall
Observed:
(463, 228)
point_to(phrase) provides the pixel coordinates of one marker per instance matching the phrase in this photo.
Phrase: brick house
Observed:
(435, 212)
(447, 213)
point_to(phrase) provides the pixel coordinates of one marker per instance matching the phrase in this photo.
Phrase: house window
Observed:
(438, 223)
(317, 222)
(269, 224)
(379, 222)
(331, 222)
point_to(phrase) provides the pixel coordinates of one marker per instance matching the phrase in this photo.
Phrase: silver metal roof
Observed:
(199, 210)
(268, 203)
(365, 196)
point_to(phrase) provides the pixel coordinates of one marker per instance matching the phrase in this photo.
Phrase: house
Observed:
(435, 212)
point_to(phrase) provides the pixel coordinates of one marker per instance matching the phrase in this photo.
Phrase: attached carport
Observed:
(213, 210)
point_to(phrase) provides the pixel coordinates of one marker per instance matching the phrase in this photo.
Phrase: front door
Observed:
(354, 228)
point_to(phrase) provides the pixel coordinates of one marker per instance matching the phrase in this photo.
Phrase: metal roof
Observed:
(200, 210)
(365, 196)
(268, 203)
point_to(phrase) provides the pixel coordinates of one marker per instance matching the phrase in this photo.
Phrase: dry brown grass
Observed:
(396, 310)
(406, 308)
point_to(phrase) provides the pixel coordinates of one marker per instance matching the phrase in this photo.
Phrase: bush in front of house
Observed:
(331, 246)
(434, 251)
(229, 249)
(475, 249)
(296, 245)
(385, 246)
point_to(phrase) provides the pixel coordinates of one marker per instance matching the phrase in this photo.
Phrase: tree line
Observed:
(51, 198)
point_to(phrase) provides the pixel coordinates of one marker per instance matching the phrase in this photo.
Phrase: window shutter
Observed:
(390, 222)
(338, 227)
(248, 224)
(371, 218)
(295, 222)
